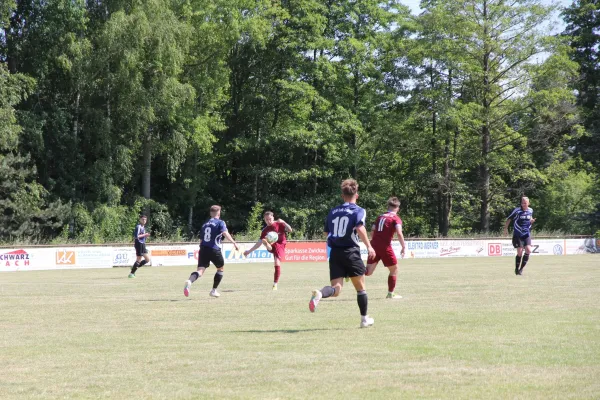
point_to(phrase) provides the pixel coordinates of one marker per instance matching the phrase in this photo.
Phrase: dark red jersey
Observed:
(384, 229)
(277, 227)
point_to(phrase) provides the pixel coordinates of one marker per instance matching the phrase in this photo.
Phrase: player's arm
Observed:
(228, 236)
(287, 226)
(256, 246)
(362, 234)
(401, 238)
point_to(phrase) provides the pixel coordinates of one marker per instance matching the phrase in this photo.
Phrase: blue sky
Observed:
(414, 4)
(558, 27)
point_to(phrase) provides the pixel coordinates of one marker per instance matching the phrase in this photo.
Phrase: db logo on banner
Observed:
(494, 249)
(64, 257)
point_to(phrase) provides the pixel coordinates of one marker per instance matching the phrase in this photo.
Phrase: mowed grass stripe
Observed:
(466, 328)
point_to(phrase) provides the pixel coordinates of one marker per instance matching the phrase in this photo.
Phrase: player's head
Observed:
(524, 202)
(269, 217)
(143, 219)
(215, 211)
(349, 190)
(393, 204)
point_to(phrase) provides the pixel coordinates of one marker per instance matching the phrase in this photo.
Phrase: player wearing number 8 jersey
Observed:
(211, 234)
(344, 226)
(382, 232)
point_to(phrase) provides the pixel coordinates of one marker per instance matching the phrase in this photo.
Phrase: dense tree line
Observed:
(111, 107)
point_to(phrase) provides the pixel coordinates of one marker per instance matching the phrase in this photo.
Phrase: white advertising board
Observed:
(30, 259)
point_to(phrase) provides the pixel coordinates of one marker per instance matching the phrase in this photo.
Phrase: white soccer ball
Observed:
(272, 237)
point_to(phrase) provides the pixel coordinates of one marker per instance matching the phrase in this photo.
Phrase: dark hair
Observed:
(393, 202)
(267, 213)
(349, 187)
(143, 216)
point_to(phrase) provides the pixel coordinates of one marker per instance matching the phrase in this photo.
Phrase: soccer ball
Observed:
(272, 237)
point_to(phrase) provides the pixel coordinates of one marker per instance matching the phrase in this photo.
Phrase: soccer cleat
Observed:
(131, 276)
(392, 295)
(314, 300)
(366, 321)
(274, 286)
(186, 288)
(214, 293)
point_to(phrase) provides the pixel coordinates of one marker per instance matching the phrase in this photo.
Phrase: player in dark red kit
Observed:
(277, 248)
(382, 233)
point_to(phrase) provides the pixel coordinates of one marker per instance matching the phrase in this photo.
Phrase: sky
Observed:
(414, 6)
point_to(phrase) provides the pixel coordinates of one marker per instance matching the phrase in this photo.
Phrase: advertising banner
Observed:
(582, 246)
(463, 248)
(55, 258)
(306, 252)
(174, 255)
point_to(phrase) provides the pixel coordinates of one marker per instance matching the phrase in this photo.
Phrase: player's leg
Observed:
(337, 273)
(278, 254)
(388, 257)
(145, 255)
(392, 278)
(526, 255)
(203, 263)
(362, 300)
(138, 259)
(219, 262)
(356, 270)
(516, 242)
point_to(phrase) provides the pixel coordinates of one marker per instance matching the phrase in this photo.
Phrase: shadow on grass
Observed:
(287, 330)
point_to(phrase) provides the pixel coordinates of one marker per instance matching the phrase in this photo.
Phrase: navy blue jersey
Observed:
(139, 229)
(521, 221)
(341, 225)
(211, 233)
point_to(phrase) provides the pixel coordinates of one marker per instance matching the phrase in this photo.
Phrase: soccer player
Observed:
(382, 233)
(277, 248)
(139, 236)
(522, 218)
(345, 224)
(212, 233)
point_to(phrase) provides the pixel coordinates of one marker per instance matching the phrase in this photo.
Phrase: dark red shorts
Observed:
(278, 250)
(386, 255)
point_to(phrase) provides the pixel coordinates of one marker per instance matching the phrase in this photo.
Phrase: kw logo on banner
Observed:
(64, 257)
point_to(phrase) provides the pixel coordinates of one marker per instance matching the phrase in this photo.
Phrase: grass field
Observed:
(466, 328)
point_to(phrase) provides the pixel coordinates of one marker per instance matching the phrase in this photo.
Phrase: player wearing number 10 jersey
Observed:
(345, 224)
(382, 233)
(211, 234)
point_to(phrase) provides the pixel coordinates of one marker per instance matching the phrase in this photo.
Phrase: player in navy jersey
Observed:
(278, 248)
(382, 233)
(139, 240)
(522, 218)
(344, 226)
(211, 234)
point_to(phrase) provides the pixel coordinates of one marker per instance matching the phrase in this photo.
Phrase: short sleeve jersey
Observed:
(384, 229)
(139, 229)
(277, 227)
(522, 221)
(341, 224)
(211, 233)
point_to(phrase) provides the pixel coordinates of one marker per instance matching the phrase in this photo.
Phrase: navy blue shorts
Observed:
(521, 242)
(345, 261)
(208, 255)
